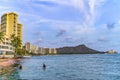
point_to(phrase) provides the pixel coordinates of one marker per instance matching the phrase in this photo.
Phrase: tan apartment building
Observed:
(33, 49)
(27, 46)
(19, 31)
(41, 51)
(53, 51)
(50, 51)
(10, 25)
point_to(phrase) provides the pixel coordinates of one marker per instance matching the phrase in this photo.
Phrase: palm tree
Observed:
(1, 39)
(16, 42)
(1, 36)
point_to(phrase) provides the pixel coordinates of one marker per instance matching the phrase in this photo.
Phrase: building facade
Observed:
(27, 46)
(41, 51)
(9, 25)
(33, 49)
(19, 31)
(50, 51)
(111, 51)
(6, 48)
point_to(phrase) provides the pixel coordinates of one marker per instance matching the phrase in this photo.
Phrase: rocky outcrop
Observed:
(80, 49)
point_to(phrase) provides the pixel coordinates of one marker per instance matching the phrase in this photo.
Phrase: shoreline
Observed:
(8, 62)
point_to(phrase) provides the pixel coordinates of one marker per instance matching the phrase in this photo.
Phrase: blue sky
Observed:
(57, 23)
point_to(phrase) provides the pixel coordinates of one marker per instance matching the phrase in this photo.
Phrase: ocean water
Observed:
(66, 67)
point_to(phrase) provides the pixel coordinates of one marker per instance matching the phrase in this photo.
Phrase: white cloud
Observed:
(31, 16)
(85, 30)
(103, 39)
(81, 5)
(88, 9)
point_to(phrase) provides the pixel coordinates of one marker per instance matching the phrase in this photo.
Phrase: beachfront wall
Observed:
(7, 56)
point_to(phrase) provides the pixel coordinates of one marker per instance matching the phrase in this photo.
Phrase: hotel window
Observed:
(3, 42)
(11, 44)
(2, 47)
(7, 39)
(10, 48)
(7, 43)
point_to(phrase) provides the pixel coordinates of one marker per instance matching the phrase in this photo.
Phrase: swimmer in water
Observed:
(44, 66)
(20, 67)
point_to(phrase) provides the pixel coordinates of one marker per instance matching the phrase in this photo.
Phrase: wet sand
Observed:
(7, 62)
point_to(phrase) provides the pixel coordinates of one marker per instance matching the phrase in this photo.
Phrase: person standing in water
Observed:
(44, 66)
(20, 67)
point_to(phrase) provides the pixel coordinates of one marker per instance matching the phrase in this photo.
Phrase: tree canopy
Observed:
(16, 42)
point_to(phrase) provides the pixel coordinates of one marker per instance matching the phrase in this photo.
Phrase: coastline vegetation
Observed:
(16, 42)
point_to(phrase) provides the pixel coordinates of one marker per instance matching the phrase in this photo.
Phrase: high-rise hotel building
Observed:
(9, 25)
(27, 46)
(19, 31)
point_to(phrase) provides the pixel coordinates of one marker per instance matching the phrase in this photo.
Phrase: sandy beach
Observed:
(7, 62)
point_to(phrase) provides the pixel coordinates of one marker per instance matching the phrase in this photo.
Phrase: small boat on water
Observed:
(27, 56)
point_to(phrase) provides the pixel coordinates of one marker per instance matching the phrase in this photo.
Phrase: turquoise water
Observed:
(67, 67)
